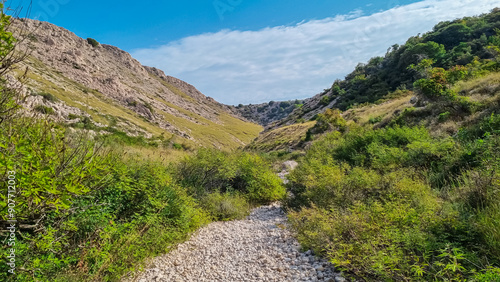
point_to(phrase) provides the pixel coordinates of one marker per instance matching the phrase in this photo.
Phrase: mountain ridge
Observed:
(108, 86)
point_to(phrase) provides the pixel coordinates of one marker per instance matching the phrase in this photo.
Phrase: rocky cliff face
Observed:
(109, 87)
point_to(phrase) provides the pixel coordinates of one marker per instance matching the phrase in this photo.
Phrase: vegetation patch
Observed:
(92, 42)
(44, 110)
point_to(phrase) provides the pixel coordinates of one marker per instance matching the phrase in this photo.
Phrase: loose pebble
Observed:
(253, 249)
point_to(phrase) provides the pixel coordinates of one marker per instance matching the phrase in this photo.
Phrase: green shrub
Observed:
(227, 206)
(374, 120)
(48, 97)
(325, 100)
(328, 121)
(96, 224)
(396, 204)
(93, 42)
(211, 170)
(177, 146)
(490, 275)
(44, 110)
(444, 116)
(73, 116)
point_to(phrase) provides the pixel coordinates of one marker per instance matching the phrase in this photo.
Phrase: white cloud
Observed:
(289, 62)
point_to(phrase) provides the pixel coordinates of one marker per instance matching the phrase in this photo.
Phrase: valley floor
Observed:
(258, 248)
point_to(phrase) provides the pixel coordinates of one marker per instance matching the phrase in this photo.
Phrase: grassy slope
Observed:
(281, 138)
(484, 91)
(229, 134)
(359, 237)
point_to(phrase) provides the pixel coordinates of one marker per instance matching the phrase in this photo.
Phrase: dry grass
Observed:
(161, 155)
(383, 112)
(484, 91)
(282, 138)
(479, 88)
(230, 134)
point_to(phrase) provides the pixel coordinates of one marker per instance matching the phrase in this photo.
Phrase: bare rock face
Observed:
(107, 82)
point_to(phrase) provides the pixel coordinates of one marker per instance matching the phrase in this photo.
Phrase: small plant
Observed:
(374, 120)
(73, 116)
(32, 37)
(48, 97)
(444, 116)
(325, 100)
(93, 42)
(149, 107)
(225, 206)
(44, 110)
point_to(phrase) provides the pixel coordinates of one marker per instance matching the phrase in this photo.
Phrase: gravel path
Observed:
(255, 249)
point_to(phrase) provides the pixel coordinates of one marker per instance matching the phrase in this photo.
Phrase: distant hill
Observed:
(267, 113)
(100, 87)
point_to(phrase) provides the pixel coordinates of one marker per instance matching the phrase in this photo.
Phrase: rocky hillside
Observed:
(382, 88)
(98, 86)
(450, 45)
(309, 108)
(268, 113)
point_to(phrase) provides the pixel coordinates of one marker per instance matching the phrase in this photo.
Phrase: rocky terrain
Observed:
(259, 248)
(267, 113)
(78, 79)
(310, 108)
(275, 114)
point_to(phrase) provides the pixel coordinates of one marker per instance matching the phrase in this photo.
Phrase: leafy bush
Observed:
(397, 204)
(325, 100)
(211, 170)
(327, 121)
(466, 47)
(73, 116)
(98, 223)
(93, 42)
(374, 120)
(44, 110)
(227, 206)
(48, 97)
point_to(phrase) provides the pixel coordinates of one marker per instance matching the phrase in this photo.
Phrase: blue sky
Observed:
(251, 51)
(138, 24)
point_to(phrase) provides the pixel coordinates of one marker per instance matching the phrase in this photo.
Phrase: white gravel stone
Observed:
(255, 249)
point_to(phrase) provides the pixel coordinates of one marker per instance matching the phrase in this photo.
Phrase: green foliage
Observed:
(325, 100)
(73, 116)
(471, 42)
(374, 120)
(177, 146)
(285, 104)
(444, 116)
(211, 170)
(227, 206)
(328, 121)
(490, 275)
(44, 110)
(95, 216)
(93, 42)
(48, 97)
(396, 204)
(7, 40)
